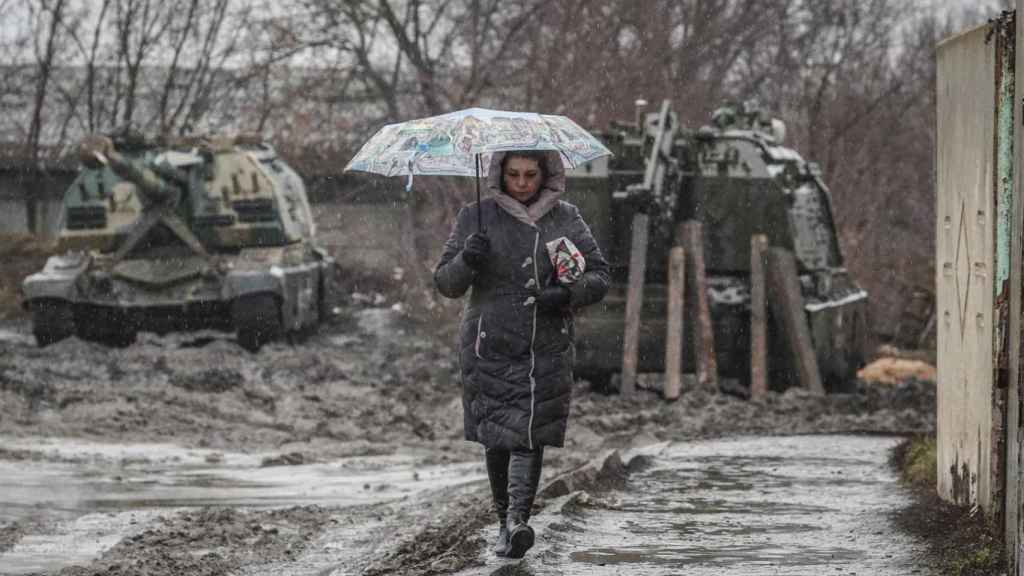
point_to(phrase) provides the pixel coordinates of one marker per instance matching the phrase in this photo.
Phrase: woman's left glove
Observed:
(553, 298)
(476, 250)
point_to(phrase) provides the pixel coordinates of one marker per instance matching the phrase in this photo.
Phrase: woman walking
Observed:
(530, 263)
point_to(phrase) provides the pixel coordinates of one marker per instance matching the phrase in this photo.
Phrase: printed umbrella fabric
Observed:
(448, 144)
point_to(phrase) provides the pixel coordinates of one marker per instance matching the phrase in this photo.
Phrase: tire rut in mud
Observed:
(447, 544)
(211, 541)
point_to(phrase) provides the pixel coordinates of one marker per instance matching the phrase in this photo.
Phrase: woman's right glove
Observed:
(476, 250)
(554, 298)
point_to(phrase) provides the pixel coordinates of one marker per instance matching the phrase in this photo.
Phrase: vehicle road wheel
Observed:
(109, 327)
(122, 338)
(257, 318)
(52, 321)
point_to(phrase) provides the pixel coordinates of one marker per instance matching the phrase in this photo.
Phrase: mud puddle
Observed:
(85, 497)
(15, 337)
(805, 505)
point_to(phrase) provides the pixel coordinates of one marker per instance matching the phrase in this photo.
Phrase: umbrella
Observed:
(461, 144)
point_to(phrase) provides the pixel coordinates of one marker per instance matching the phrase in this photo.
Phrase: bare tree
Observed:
(355, 35)
(480, 33)
(90, 53)
(424, 57)
(140, 27)
(160, 66)
(48, 16)
(593, 59)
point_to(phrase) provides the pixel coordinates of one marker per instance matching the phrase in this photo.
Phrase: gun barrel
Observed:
(156, 183)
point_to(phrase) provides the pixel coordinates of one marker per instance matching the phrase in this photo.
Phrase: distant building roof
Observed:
(13, 157)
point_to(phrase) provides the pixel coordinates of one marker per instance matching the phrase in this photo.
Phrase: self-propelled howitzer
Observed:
(198, 232)
(738, 179)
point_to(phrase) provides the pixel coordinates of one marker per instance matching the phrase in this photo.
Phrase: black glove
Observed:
(553, 298)
(476, 250)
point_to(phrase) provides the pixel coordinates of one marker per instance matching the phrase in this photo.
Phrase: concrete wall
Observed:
(45, 190)
(965, 265)
(366, 236)
(14, 217)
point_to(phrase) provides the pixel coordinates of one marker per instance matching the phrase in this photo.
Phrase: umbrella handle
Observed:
(479, 210)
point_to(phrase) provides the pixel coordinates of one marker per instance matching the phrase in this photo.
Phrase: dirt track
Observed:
(374, 392)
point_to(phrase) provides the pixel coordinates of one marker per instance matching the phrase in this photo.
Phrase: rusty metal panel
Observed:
(965, 257)
(1013, 340)
(1003, 35)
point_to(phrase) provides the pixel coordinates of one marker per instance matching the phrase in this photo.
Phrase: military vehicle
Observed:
(738, 179)
(195, 232)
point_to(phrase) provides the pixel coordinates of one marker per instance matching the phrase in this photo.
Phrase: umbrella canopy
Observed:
(461, 143)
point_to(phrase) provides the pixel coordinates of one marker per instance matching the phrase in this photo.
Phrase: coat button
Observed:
(530, 282)
(529, 301)
(527, 262)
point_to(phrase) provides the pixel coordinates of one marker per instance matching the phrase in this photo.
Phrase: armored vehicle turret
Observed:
(196, 232)
(738, 179)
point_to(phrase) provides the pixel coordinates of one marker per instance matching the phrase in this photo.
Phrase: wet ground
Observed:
(184, 454)
(804, 505)
(85, 497)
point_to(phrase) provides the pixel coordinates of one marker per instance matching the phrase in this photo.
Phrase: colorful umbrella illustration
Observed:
(461, 143)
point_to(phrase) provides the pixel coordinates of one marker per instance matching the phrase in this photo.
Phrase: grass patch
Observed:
(919, 463)
(961, 540)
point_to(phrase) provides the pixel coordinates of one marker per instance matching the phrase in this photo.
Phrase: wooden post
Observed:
(674, 335)
(634, 302)
(788, 307)
(704, 338)
(758, 318)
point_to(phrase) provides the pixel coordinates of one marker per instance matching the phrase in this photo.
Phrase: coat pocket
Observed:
(503, 333)
(554, 333)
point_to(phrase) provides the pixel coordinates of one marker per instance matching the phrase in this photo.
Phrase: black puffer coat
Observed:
(515, 359)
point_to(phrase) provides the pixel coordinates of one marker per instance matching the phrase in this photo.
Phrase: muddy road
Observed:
(803, 505)
(183, 454)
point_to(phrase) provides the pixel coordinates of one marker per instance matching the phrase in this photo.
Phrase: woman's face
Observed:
(522, 178)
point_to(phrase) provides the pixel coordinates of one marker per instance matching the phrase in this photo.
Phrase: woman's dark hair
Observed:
(539, 156)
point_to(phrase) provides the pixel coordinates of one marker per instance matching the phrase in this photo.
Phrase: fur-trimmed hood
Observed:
(551, 189)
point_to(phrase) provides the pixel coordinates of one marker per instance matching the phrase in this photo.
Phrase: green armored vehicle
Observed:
(199, 232)
(738, 179)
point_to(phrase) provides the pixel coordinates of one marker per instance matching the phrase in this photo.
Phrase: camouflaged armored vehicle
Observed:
(738, 179)
(196, 233)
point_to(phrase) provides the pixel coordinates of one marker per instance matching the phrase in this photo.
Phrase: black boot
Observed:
(534, 479)
(501, 545)
(497, 474)
(524, 477)
(520, 535)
